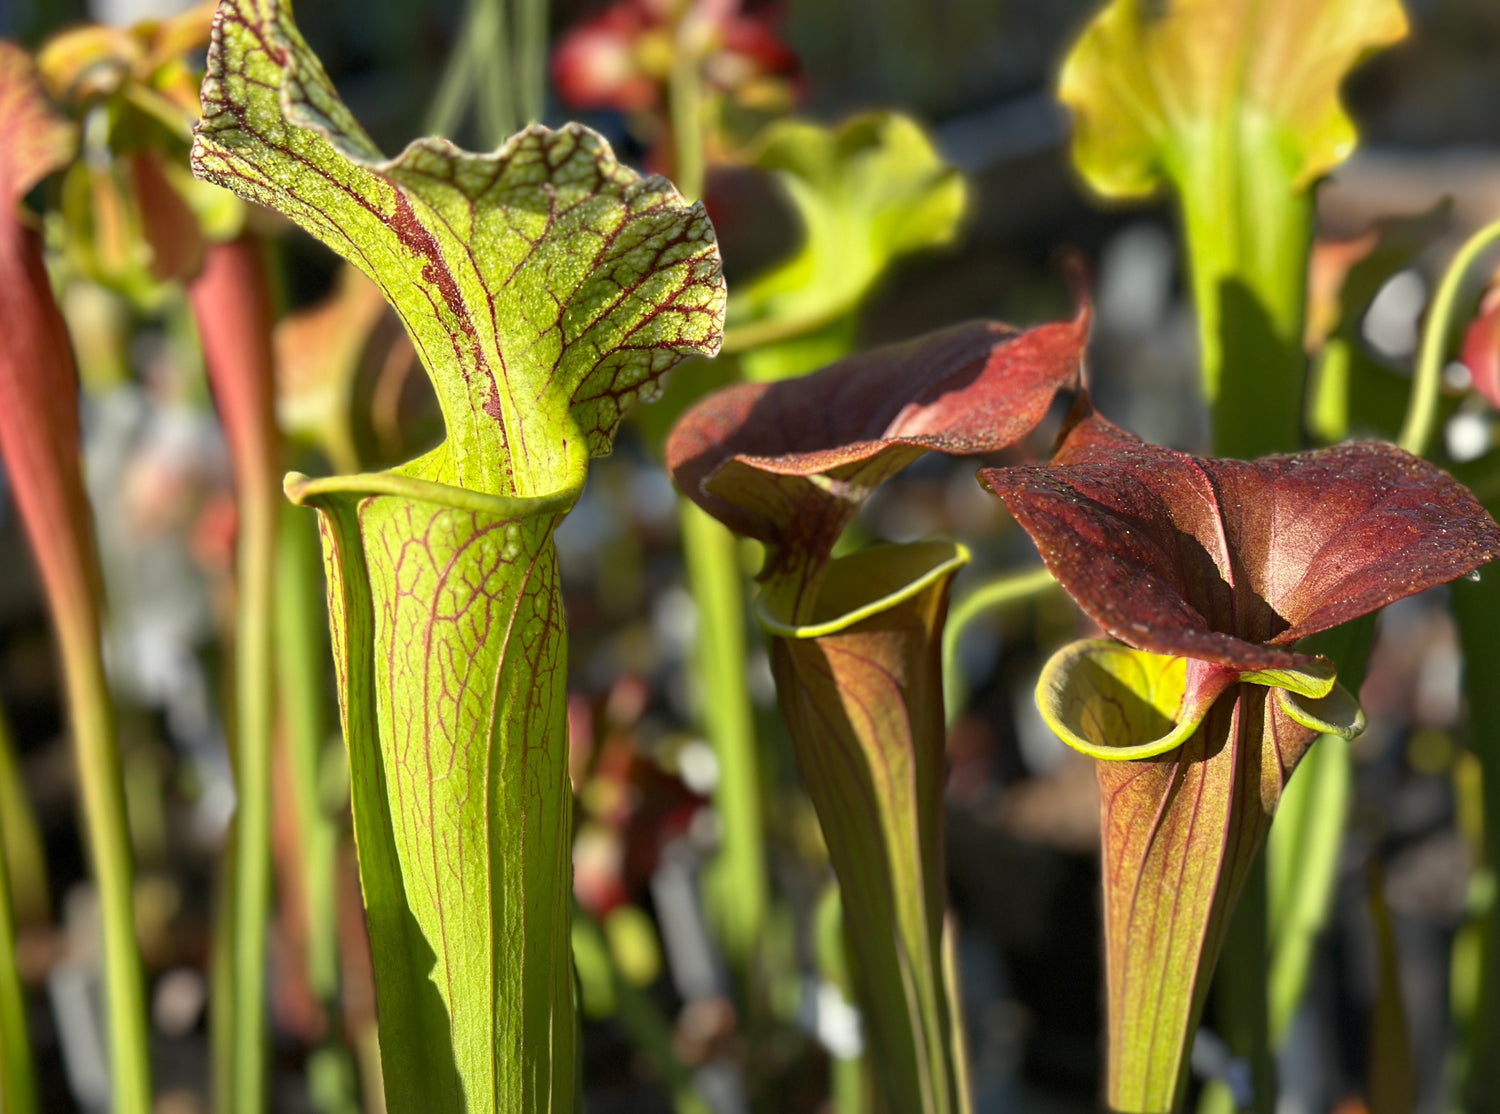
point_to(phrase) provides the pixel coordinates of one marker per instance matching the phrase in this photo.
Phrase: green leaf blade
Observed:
(866, 193)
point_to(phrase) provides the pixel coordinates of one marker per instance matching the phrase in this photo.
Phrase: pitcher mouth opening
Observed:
(867, 583)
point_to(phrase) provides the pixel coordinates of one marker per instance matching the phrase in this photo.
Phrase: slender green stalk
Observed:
(491, 45)
(1303, 855)
(1421, 413)
(24, 858)
(307, 719)
(1248, 239)
(455, 88)
(1002, 591)
(221, 984)
(686, 97)
(254, 680)
(1242, 1003)
(531, 59)
(1477, 609)
(774, 330)
(850, 1087)
(850, 1091)
(231, 304)
(958, 1031)
(740, 889)
(17, 1076)
(92, 716)
(481, 69)
(301, 654)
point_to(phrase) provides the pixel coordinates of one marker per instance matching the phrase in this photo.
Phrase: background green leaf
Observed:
(866, 192)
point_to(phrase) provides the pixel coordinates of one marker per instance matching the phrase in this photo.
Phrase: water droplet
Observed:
(1474, 576)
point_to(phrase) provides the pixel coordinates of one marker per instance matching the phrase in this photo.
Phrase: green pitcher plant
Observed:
(1206, 574)
(546, 289)
(855, 641)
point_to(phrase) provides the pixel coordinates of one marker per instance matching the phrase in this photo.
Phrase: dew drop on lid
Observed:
(1474, 576)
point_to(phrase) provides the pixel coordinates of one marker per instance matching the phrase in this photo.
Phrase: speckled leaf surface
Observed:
(1233, 562)
(546, 288)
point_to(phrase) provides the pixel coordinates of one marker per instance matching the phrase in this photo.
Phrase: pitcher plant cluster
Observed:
(547, 289)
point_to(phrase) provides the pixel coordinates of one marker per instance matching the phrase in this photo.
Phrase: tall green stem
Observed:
(686, 99)
(481, 69)
(1241, 988)
(849, 1084)
(1000, 592)
(494, 65)
(739, 878)
(91, 713)
(24, 857)
(1477, 609)
(1421, 413)
(1302, 863)
(531, 59)
(301, 653)
(17, 1076)
(232, 305)
(253, 702)
(740, 889)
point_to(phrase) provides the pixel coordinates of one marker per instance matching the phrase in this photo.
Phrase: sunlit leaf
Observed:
(546, 288)
(1110, 701)
(856, 643)
(866, 193)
